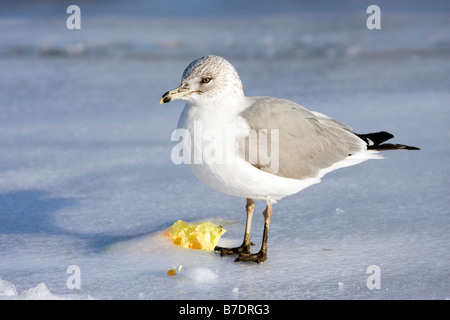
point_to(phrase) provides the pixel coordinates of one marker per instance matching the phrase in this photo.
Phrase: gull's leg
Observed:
(261, 256)
(245, 246)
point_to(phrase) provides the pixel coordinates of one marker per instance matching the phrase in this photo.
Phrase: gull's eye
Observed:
(206, 79)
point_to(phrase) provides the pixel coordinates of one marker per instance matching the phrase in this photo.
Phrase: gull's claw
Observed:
(256, 257)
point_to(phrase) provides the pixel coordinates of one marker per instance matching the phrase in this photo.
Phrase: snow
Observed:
(7, 289)
(40, 292)
(86, 177)
(200, 274)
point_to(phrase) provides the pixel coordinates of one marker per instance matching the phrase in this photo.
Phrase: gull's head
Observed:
(208, 79)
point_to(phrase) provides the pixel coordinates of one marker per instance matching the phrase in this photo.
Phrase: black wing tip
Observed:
(375, 141)
(375, 138)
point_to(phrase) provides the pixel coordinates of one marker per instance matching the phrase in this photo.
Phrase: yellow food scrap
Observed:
(200, 236)
(173, 271)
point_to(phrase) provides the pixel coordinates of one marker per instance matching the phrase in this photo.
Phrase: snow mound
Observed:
(200, 274)
(7, 289)
(40, 292)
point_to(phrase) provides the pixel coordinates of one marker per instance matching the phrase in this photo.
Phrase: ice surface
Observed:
(85, 171)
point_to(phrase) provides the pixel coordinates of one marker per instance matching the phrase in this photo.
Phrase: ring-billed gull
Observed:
(272, 147)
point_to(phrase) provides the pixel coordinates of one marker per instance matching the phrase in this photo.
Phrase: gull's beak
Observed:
(174, 94)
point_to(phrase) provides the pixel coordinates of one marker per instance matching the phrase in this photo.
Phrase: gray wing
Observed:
(306, 141)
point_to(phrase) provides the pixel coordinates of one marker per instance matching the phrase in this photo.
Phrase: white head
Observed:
(209, 79)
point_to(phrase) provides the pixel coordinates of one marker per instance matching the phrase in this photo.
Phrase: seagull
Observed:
(274, 147)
